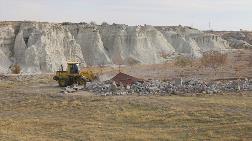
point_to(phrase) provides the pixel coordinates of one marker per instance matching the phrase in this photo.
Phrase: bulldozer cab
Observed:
(70, 76)
(72, 68)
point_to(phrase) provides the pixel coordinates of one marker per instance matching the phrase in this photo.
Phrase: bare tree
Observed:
(213, 59)
(182, 62)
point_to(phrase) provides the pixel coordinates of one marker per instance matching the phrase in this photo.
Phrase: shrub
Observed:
(213, 59)
(92, 23)
(16, 69)
(104, 23)
(66, 23)
(183, 61)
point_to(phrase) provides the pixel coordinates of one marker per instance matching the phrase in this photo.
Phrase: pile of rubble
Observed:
(3, 77)
(154, 87)
(72, 89)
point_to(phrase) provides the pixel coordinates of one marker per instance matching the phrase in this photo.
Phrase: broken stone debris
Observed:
(72, 89)
(157, 87)
(3, 77)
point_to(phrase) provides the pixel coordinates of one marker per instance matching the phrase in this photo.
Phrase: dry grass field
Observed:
(238, 65)
(33, 110)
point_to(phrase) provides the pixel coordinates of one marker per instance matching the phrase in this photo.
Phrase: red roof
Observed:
(125, 79)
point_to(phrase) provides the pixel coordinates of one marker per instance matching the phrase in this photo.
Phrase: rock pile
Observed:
(72, 89)
(157, 87)
(3, 77)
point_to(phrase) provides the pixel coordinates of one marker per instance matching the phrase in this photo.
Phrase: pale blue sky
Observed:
(223, 14)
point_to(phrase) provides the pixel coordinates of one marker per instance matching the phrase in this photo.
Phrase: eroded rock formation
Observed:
(42, 47)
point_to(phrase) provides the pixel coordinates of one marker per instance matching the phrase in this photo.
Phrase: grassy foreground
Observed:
(35, 117)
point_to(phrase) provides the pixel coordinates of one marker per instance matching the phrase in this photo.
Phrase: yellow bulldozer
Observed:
(73, 75)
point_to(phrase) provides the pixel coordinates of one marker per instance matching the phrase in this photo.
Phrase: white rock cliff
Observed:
(42, 47)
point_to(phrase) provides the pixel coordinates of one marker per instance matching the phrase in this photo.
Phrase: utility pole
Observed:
(119, 69)
(209, 25)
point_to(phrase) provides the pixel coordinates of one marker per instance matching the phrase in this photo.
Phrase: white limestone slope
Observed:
(7, 38)
(239, 39)
(137, 44)
(192, 42)
(92, 48)
(43, 47)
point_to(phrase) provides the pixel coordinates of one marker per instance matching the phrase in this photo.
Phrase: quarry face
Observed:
(43, 47)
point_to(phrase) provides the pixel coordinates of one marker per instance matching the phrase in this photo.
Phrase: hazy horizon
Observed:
(201, 14)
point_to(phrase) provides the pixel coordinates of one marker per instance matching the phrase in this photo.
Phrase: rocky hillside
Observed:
(43, 47)
(236, 39)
